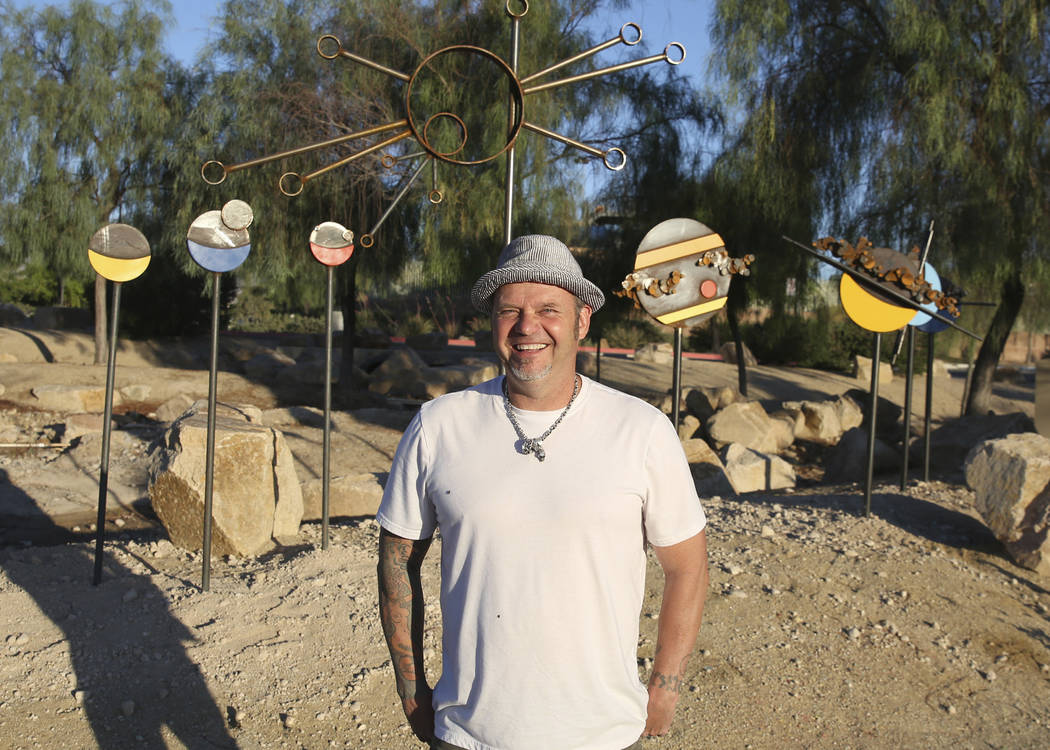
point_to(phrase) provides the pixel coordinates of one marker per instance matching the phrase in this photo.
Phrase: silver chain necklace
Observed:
(534, 445)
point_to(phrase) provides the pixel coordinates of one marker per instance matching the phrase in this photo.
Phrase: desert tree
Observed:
(87, 115)
(878, 116)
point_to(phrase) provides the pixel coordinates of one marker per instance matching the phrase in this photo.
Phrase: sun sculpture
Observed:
(453, 133)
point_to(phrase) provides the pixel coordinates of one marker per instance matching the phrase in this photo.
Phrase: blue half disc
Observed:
(218, 260)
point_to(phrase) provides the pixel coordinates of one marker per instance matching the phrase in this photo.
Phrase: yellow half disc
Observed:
(870, 312)
(117, 269)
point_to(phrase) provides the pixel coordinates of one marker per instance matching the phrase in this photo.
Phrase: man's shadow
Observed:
(124, 645)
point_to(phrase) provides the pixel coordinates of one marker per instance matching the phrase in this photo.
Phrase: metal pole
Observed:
(209, 467)
(327, 451)
(676, 385)
(872, 413)
(929, 407)
(103, 472)
(508, 207)
(907, 406)
(598, 360)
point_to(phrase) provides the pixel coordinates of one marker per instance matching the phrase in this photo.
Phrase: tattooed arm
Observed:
(685, 587)
(401, 612)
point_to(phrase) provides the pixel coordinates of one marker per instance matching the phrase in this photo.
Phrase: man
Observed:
(546, 487)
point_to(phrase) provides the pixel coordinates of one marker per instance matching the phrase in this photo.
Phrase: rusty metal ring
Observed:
(462, 132)
(517, 95)
(338, 47)
(221, 166)
(435, 196)
(524, 4)
(388, 161)
(636, 28)
(667, 53)
(615, 167)
(367, 240)
(288, 191)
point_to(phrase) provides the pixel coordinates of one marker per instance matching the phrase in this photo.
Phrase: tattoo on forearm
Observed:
(671, 682)
(401, 607)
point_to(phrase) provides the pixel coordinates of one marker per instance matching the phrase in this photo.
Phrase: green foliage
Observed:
(872, 117)
(825, 341)
(36, 284)
(631, 333)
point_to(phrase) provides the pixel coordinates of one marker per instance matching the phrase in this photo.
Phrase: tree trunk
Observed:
(1011, 298)
(100, 320)
(61, 291)
(736, 302)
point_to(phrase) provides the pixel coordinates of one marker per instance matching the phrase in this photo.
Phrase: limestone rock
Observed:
(76, 425)
(750, 470)
(349, 495)
(255, 497)
(862, 370)
(848, 460)
(709, 474)
(704, 401)
(405, 374)
(888, 416)
(728, 352)
(814, 421)
(747, 423)
(1011, 480)
(657, 353)
(173, 408)
(73, 398)
(266, 364)
(136, 392)
(688, 427)
(955, 438)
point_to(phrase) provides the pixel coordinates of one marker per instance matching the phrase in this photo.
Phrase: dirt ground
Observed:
(824, 628)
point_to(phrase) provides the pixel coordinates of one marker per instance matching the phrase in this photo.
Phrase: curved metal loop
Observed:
(615, 167)
(338, 46)
(635, 27)
(524, 5)
(388, 161)
(288, 190)
(220, 165)
(667, 53)
(367, 240)
(435, 196)
(462, 133)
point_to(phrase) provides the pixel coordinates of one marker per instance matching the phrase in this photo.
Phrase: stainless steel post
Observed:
(929, 408)
(508, 206)
(676, 380)
(872, 414)
(327, 451)
(209, 465)
(103, 471)
(907, 405)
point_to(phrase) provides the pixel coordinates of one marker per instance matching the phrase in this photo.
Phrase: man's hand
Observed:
(663, 697)
(419, 710)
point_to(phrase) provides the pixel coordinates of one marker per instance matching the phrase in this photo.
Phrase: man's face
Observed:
(537, 329)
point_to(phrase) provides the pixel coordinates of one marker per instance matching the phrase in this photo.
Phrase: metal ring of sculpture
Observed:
(517, 95)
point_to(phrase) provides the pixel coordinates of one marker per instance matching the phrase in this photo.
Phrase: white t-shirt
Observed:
(542, 563)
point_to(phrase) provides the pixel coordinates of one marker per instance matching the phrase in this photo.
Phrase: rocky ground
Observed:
(824, 628)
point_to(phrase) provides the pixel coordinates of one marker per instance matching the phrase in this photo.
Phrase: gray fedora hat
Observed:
(540, 259)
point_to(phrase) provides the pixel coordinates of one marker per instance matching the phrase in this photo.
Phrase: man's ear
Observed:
(585, 321)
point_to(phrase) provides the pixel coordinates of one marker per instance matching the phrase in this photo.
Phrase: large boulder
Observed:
(709, 475)
(704, 401)
(348, 496)
(862, 370)
(657, 353)
(751, 471)
(256, 497)
(1011, 480)
(847, 461)
(888, 417)
(822, 422)
(747, 424)
(405, 374)
(955, 438)
(73, 398)
(728, 352)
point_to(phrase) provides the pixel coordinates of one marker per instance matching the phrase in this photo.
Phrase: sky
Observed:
(662, 21)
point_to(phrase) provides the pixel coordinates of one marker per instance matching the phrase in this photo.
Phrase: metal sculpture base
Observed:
(872, 414)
